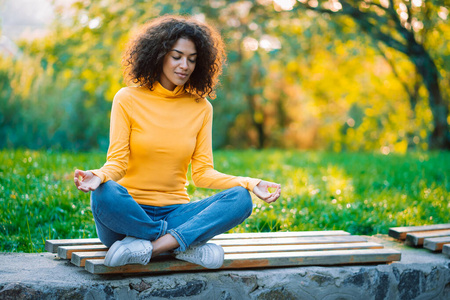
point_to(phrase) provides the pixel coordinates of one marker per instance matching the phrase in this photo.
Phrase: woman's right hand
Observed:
(86, 181)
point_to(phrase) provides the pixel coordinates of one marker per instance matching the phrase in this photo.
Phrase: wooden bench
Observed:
(242, 250)
(433, 237)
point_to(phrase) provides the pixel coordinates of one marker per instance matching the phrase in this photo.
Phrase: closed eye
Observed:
(190, 60)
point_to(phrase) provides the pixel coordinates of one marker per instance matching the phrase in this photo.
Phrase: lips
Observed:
(182, 75)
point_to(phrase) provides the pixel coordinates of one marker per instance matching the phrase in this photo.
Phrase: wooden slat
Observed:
(79, 258)
(52, 245)
(436, 244)
(400, 232)
(308, 247)
(291, 241)
(258, 260)
(66, 251)
(446, 249)
(258, 235)
(416, 239)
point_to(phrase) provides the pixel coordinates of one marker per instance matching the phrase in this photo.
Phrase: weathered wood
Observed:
(79, 258)
(400, 232)
(258, 235)
(77, 246)
(436, 244)
(66, 251)
(416, 238)
(257, 260)
(446, 249)
(307, 247)
(52, 245)
(291, 241)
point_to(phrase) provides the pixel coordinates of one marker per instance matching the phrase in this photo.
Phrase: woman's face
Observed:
(178, 64)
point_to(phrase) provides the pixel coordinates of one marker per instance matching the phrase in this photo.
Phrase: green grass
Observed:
(361, 193)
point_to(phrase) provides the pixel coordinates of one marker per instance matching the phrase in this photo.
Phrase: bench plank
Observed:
(307, 247)
(52, 245)
(291, 241)
(446, 249)
(79, 258)
(76, 245)
(417, 238)
(258, 235)
(67, 251)
(436, 244)
(257, 260)
(400, 232)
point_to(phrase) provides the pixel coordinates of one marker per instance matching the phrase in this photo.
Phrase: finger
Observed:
(272, 184)
(78, 173)
(269, 201)
(277, 191)
(77, 182)
(274, 197)
(83, 189)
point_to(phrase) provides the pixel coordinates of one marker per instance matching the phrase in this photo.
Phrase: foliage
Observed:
(362, 193)
(38, 111)
(403, 26)
(295, 78)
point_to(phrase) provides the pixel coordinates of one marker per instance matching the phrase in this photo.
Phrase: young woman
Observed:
(160, 125)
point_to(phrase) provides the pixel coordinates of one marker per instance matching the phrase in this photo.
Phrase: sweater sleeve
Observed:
(119, 140)
(203, 173)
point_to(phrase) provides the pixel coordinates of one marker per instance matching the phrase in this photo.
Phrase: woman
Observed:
(158, 127)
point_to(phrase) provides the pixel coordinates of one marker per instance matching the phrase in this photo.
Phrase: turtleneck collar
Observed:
(159, 89)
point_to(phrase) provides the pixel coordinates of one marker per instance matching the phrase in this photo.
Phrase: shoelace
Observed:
(141, 257)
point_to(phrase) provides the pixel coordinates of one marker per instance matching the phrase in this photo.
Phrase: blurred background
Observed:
(334, 75)
(343, 102)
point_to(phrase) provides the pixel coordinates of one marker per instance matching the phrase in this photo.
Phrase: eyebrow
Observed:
(183, 53)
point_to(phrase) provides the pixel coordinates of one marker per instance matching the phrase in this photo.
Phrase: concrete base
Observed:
(420, 274)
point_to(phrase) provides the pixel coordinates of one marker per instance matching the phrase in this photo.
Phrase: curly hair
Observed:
(144, 55)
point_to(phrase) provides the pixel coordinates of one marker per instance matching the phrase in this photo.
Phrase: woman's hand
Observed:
(262, 191)
(86, 181)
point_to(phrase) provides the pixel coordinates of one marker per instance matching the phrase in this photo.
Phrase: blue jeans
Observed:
(117, 215)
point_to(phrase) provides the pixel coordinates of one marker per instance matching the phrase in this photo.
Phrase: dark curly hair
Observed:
(144, 56)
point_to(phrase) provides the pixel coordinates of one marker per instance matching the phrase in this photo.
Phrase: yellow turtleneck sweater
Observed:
(154, 135)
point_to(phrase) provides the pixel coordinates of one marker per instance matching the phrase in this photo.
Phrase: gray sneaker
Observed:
(208, 255)
(130, 250)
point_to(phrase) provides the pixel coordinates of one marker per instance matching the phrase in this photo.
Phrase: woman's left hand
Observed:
(262, 191)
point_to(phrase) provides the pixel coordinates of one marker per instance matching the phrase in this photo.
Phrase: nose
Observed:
(184, 63)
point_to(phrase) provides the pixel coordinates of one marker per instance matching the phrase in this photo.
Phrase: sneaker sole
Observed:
(116, 253)
(217, 250)
(111, 252)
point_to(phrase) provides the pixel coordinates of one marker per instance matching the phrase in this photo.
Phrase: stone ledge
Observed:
(419, 275)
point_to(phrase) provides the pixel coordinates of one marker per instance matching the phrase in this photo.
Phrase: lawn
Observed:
(362, 193)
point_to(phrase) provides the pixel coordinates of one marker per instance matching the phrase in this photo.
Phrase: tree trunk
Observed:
(440, 136)
(258, 125)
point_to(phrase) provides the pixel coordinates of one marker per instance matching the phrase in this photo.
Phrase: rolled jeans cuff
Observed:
(180, 240)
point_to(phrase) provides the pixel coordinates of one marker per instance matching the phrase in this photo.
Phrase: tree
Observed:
(401, 25)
